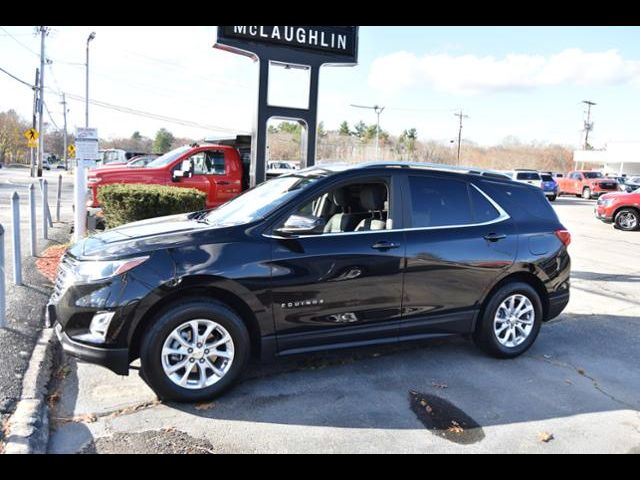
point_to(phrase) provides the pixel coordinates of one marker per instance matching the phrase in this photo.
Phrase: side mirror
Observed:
(185, 171)
(301, 225)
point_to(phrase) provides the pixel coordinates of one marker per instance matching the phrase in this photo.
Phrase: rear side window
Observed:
(437, 202)
(528, 176)
(520, 201)
(483, 211)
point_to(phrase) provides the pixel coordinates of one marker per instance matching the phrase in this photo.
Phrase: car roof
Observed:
(417, 166)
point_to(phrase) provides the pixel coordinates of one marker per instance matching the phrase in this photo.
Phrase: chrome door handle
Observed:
(384, 245)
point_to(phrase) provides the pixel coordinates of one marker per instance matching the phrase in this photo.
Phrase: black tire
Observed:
(485, 337)
(176, 314)
(586, 193)
(553, 199)
(627, 213)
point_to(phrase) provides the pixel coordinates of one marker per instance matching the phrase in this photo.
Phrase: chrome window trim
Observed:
(503, 215)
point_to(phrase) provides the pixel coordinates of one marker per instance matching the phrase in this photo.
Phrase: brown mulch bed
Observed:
(47, 263)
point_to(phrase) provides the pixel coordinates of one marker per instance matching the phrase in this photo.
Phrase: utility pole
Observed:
(588, 125)
(460, 116)
(44, 31)
(378, 111)
(64, 114)
(32, 157)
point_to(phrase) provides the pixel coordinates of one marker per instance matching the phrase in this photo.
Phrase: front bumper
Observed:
(115, 359)
(601, 214)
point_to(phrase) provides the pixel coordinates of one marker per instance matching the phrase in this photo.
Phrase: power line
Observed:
(16, 78)
(50, 117)
(155, 116)
(19, 42)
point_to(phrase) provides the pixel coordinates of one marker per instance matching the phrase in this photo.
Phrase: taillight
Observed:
(564, 236)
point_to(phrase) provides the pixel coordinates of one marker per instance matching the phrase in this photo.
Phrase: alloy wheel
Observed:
(513, 321)
(197, 354)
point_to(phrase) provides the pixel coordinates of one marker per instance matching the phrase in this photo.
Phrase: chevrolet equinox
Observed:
(321, 258)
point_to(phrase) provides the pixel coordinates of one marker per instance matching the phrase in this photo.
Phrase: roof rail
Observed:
(436, 166)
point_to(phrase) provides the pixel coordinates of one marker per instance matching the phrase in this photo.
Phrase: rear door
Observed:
(459, 241)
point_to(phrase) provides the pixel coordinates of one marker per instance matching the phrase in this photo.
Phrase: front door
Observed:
(345, 285)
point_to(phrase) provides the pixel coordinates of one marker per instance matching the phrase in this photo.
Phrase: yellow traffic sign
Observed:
(71, 150)
(32, 144)
(31, 135)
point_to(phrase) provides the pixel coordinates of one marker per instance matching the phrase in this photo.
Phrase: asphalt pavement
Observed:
(25, 303)
(577, 390)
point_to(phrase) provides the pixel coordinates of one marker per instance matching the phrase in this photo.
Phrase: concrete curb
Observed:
(29, 424)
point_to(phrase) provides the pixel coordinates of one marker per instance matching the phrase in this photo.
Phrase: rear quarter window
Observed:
(520, 201)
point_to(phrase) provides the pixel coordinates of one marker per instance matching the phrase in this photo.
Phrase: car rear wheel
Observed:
(586, 193)
(510, 321)
(628, 219)
(194, 351)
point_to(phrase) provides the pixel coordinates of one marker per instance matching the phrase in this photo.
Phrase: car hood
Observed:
(111, 173)
(143, 236)
(608, 196)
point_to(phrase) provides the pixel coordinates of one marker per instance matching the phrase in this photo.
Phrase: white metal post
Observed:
(32, 219)
(80, 211)
(15, 225)
(45, 218)
(58, 197)
(3, 304)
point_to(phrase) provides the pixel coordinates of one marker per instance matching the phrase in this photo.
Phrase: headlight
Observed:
(101, 270)
(606, 202)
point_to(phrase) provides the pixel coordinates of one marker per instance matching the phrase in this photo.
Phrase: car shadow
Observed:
(580, 364)
(609, 277)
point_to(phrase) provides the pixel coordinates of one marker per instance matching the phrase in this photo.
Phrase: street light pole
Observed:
(92, 35)
(378, 110)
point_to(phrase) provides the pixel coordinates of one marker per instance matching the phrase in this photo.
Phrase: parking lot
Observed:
(576, 390)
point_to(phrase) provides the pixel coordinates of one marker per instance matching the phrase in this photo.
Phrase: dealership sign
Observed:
(292, 47)
(341, 41)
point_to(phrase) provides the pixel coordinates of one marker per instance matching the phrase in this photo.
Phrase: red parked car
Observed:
(621, 208)
(586, 184)
(216, 170)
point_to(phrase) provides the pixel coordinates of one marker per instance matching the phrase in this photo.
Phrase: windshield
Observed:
(169, 157)
(258, 202)
(546, 178)
(593, 175)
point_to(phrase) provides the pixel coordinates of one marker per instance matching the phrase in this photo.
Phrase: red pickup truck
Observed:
(586, 184)
(217, 170)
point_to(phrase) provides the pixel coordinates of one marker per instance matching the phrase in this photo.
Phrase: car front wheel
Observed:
(194, 351)
(628, 219)
(586, 193)
(510, 321)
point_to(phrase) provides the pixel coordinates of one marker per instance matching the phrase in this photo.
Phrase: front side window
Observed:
(437, 202)
(353, 207)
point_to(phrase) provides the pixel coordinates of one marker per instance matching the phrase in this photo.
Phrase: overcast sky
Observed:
(526, 82)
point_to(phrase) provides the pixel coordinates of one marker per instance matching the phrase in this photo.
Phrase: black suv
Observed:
(322, 258)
